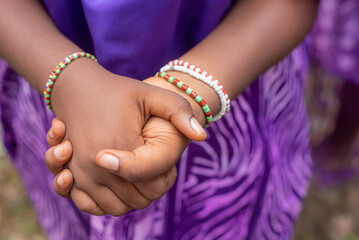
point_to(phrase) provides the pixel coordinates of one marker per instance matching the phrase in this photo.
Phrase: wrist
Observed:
(77, 79)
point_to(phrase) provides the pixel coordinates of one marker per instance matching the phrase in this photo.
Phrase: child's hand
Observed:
(102, 110)
(154, 161)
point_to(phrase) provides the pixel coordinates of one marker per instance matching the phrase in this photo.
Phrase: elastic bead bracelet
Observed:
(196, 72)
(57, 70)
(191, 93)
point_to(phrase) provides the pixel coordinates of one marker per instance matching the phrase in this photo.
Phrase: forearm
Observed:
(30, 42)
(254, 35)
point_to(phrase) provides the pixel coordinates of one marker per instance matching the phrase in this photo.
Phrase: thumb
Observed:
(144, 163)
(176, 109)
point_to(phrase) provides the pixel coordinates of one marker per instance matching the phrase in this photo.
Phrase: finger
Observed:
(85, 203)
(57, 156)
(144, 163)
(175, 108)
(157, 187)
(127, 192)
(108, 201)
(56, 133)
(63, 183)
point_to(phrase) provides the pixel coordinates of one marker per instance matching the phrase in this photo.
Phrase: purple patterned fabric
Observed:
(335, 39)
(246, 181)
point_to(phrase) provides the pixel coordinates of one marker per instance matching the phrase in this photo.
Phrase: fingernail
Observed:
(196, 126)
(59, 152)
(60, 180)
(108, 161)
(51, 133)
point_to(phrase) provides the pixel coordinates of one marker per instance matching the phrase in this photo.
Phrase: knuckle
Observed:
(119, 211)
(87, 206)
(157, 195)
(183, 105)
(165, 182)
(142, 204)
(172, 179)
(160, 188)
(173, 173)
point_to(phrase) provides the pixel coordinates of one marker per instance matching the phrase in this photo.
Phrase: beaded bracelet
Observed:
(191, 93)
(57, 70)
(196, 72)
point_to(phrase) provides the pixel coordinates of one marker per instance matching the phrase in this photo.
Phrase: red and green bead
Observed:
(191, 93)
(57, 70)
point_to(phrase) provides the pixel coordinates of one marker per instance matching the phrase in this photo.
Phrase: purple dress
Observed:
(335, 39)
(246, 181)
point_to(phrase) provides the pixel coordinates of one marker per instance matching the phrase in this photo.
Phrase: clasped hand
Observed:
(122, 140)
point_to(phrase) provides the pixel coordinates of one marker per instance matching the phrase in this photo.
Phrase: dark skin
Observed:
(90, 114)
(253, 36)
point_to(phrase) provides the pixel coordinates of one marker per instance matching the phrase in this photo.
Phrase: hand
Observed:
(164, 145)
(115, 107)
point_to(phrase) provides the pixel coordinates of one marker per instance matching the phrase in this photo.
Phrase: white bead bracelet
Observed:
(196, 72)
